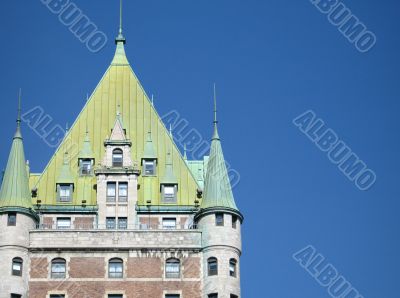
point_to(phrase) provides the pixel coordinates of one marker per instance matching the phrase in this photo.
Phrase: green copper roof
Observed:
(149, 152)
(15, 188)
(86, 152)
(169, 177)
(217, 186)
(65, 176)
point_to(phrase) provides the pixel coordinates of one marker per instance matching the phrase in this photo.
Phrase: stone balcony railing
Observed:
(102, 239)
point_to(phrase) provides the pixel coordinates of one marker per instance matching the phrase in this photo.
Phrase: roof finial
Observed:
(215, 136)
(152, 100)
(120, 18)
(19, 108)
(120, 37)
(184, 152)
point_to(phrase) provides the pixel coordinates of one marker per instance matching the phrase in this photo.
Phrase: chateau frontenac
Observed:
(119, 211)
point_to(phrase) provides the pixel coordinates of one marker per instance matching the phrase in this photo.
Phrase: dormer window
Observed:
(149, 167)
(169, 193)
(118, 158)
(86, 167)
(64, 192)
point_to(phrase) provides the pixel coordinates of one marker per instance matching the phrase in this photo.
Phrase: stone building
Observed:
(118, 212)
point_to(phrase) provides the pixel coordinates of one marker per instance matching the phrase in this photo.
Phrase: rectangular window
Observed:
(63, 223)
(122, 223)
(234, 221)
(219, 219)
(169, 223)
(149, 168)
(213, 295)
(169, 194)
(111, 191)
(17, 267)
(110, 221)
(65, 193)
(16, 296)
(12, 219)
(86, 167)
(115, 296)
(172, 296)
(234, 296)
(123, 192)
(58, 269)
(57, 296)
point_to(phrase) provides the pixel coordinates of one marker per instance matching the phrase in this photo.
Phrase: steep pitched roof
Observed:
(217, 186)
(15, 191)
(119, 86)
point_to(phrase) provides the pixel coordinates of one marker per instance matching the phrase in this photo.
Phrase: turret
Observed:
(220, 221)
(17, 218)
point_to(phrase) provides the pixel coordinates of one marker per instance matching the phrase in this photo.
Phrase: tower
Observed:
(17, 218)
(220, 222)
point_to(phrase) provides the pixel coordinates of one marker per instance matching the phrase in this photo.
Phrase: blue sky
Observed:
(272, 61)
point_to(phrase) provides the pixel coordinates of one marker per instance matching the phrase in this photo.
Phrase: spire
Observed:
(118, 132)
(217, 188)
(120, 41)
(170, 130)
(65, 176)
(184, 152)
(15, 193)
(169, 177)
(149, 152)
(215, 135)
(86, 152)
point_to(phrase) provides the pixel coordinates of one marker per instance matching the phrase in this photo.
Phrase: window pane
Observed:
(118, 158)
(122, 223)
(58, 269)
(115, 269)
(212, 267)
(65, 193)
(169, 194)
(172, 296)
(111, 191)
(172, 269)
(115, 296)
(63, 223)
(213, 296)
(16, 296)
(169, 223)
(86, 167)
(232, 268)
(57, 296)
(123, 192)
(149, 168)
(234, 221)
(17, 267)
(110, 222)
(219, 219)
(12, 219)
(234, 296)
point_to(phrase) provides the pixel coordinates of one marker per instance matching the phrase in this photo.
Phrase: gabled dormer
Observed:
(86, 158)
(65, 182)
(118, 147)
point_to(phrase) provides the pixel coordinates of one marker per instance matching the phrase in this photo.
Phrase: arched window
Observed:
(173, 268)
(212, 266)
(58, 268)
(115, 268)
(233, 267)
(17, 267)
(118, 158)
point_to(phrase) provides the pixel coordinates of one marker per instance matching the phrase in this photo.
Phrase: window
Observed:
(212, 266)
(17, 267)
(232, 268)
(234, 296)
(123, 192)
(122, 223)
(173, 268)
(111, 191)
(58, 268)
(149, 168)
(214, 295)
(110, 222)
(115, 268)
(118, 158)
(65, 193)
(115, 296)
(219, 219)
(63, 223)
(172, 296)
(169, 223)
(16, 296)
(169, 193)
(12, 219)
(234, 221)
(86, 167)
(57, 296)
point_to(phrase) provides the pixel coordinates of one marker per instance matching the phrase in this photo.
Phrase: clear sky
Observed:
(272, 61)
